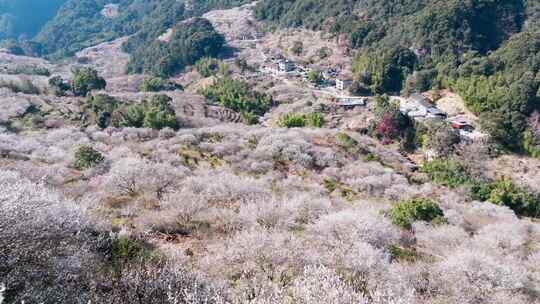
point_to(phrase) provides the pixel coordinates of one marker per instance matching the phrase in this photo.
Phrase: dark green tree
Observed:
(86, 79)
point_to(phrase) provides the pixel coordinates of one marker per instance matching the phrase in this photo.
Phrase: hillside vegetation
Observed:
(487, 51)
(175, 165)
(80, 23)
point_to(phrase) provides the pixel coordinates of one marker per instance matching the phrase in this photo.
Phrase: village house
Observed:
(349, 102)
(281, 66)
(343, 83)
(462, 124)
(417, 106)
(285, 66)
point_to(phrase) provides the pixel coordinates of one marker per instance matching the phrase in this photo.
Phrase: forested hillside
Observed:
(82, 23)
(25, 17)
(485, 50)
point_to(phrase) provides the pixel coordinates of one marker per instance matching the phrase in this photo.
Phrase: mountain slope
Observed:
(83, 23)
(416, 45)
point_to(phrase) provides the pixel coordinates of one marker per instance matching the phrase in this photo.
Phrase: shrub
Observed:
(345, 228)
(156, 113)
(85, 80)
(406, 212)
(58, 86)
(315, 120)
(346, 141)
(450, 173)
(135, 176)
(99, 109)
(28, 70)
(159, 114)
(87, 157)
(207, 66)
(468, 274)
(238, 96)
(292, 120)
(531, 144)
(315, 76)
(506, 193)
(133, 116)
(125, 248)
(159, 84)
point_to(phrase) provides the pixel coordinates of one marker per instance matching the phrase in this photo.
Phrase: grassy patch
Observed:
(407, 212)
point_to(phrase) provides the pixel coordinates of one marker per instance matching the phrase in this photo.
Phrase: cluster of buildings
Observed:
(421, 107)
(418, 106)
(331, 77)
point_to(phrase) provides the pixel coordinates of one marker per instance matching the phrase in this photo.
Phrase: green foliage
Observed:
(190, 41)
(531, 144)
(159, 114)
(315, 76)
(384, 70)
(315, 120)
(346, 141)
(125, 249)
(58, 86)
(86, 79)
(242, 64)
(292, 120)
(297, 120)
(506, 193)
(406, 212)
(207, 66)
(156, 113)
(238, 96)
(158, 84)
(447, 172)
(332, 185)
(503, 88)
(420, 81)
(404, 254)
(503, 192)
(99, 109)
(80, 24)
(87, 157)
(133, 116)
